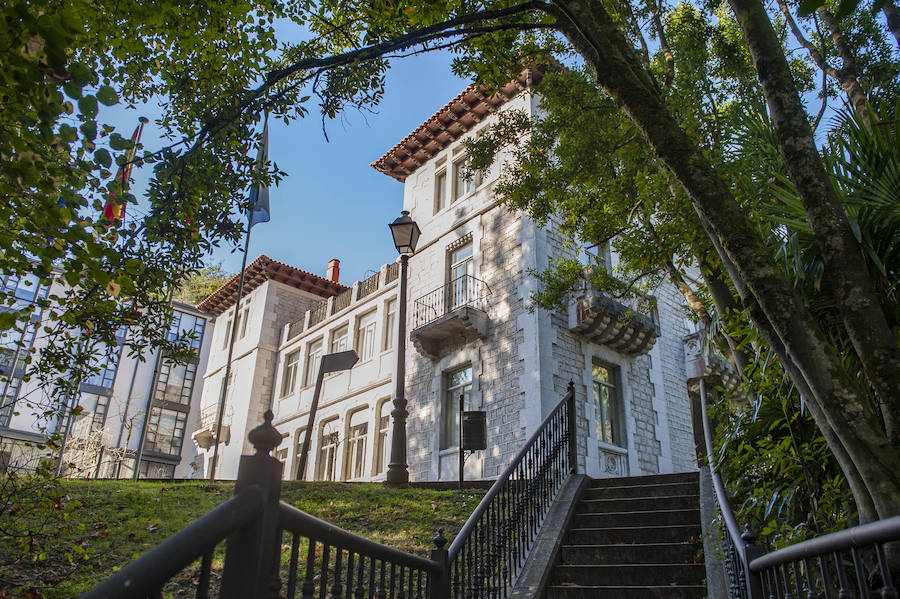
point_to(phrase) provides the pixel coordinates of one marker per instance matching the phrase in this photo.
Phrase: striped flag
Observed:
(111, 210)
(259, 196)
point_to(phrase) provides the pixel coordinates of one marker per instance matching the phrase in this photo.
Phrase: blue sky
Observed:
(332, 204)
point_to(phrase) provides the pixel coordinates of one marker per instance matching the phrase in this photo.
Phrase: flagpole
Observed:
(234, 329)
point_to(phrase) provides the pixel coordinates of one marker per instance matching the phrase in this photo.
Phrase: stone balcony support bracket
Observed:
(461, 325)
(609, 322)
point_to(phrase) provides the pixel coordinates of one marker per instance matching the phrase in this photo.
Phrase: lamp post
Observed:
(406, 235)
(329, 363)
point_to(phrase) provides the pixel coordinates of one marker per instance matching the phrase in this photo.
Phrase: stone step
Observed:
(624, 592)
(643, 518)
(646, 553)
(646, 479)
(630, 574)
(631, 535)
(639, 504)
(647, 490)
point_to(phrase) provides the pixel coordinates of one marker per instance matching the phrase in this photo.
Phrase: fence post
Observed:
(751, 552)
(252, 554)
(440, 586)
(570, 414)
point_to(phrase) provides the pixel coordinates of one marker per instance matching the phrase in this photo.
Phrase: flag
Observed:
(259, 196)
(111, 210)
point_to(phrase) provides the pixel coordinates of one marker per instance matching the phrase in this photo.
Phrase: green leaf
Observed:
(67, 133)
(88, 106)
(103, 158)
(72, 89)
(89, 130)
(808, 7)
(107, 95)
(117, 142)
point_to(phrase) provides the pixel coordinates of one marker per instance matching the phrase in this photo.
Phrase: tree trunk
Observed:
(852, 287)
(598, 40)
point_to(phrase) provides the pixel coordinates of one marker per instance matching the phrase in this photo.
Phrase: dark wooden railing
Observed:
(487, 555)
(483, 561)
(846, 564)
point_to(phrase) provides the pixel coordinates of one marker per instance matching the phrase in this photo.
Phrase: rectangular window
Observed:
(606, 405)
(187, 326)
(313, 352)
(456, 382)
(356, 446)
(339, 340)
(245, 316)
(365, 337)
(461, 270)
(440, 191)
(390, 324)
(165, 431)
(328, 446)
(463, 183)
(597, 254)
(176, 382)
(154, 470)
(105, 377)
(291, 364)
(227, 333)
(382, 451)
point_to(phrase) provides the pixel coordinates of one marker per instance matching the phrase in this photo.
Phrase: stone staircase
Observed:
(633, 537)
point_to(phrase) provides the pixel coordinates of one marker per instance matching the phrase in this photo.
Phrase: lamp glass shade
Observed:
(406, 233)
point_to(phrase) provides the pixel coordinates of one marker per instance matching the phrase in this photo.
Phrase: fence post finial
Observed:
(265, 437)
(440, 587)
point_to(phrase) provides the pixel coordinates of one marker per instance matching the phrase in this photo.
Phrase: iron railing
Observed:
(462, 291)
(318, 314)
(368, 286)
(341, 301)
(392, 272)
(487, 555)
(483, 561)
(846, 564)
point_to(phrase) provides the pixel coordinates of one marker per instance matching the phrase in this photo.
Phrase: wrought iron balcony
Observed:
(456, 311)
(205, 436)
(618, 324)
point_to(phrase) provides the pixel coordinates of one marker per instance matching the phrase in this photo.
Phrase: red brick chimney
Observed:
(334, 270)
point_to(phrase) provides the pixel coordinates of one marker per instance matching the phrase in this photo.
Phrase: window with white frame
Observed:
(313, 353)
(365, 336)
(440, 190)
(383, 425)
(461, 268)
(357, 435)
(457, 383)
(607, 421)
(329, 441)
(464, 182)
(245, 316)
(289, 380)
(390, 323)
(340, 339)
(226, 337)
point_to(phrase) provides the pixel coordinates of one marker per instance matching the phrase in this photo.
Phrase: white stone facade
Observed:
(519, 361)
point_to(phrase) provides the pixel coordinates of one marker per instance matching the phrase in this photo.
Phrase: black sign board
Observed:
(474, 430)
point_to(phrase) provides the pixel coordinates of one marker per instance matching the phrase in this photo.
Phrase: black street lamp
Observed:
(406, 235)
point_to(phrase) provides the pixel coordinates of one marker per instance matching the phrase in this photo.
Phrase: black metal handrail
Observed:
(341, 301)
(369, 285)
(738, 546)
(318, 314)
(462, 291)
(488, 553)
(336, 560)
(848, 563)
(145, 576)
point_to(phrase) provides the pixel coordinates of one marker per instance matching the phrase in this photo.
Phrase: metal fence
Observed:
(846, 564)
(368, 286)
(460, 292)
(341, 301)
(483, 560)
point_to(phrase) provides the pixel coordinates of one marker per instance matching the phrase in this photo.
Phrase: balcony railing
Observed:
(368, 285)
(318, 314)
(341, 301)
(464, 291)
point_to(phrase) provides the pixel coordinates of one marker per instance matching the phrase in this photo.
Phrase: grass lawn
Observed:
(88, 528)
